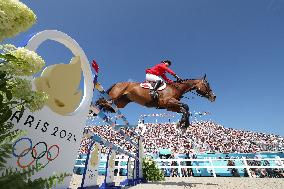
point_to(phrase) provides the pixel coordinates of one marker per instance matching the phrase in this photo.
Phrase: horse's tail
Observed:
(103, 104)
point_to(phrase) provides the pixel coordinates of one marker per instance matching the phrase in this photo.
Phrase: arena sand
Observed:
(200, 183)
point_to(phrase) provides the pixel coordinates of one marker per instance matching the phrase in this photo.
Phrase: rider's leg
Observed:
(158, 80)
(154, 92)
(151, 77)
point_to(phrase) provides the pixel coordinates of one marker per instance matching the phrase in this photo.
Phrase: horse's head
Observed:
(203, 88)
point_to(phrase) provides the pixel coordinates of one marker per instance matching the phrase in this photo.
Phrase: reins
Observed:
(177, 87)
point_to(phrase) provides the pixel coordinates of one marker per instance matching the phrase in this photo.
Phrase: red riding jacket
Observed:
(160, 70)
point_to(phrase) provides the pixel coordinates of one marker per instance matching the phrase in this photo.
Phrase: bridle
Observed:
(207, 92)
(198, 91)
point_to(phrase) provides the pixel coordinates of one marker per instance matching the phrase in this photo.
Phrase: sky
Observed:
(238, 44)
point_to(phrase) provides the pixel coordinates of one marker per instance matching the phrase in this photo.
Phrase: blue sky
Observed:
(238, 44)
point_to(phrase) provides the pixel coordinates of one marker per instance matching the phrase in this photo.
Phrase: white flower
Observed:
(38, 100)
(15, 17)
(25, 63)
(21, 89)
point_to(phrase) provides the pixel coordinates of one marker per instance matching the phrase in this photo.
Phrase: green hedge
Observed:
(151, 171)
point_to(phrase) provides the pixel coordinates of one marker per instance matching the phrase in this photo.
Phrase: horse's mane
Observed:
(180, 82)
(177, 82)
(186, 80)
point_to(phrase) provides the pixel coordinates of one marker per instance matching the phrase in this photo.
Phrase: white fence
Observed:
(210, 168)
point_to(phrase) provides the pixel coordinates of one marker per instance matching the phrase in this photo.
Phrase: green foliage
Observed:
(47, 183)
(12, 179)
(151, 171)
(7, 137)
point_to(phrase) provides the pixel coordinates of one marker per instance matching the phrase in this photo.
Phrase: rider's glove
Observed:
(178, 78)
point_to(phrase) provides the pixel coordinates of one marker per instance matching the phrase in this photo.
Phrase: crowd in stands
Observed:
(205, 136)
(110, 135)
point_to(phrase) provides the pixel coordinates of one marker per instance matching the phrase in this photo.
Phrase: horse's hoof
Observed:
(182, 126)
(183, 120)
(187, 124)
(178, 124)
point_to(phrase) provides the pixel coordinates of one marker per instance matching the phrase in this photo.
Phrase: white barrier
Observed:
(209, 167)
(91, 177)
(213, 167)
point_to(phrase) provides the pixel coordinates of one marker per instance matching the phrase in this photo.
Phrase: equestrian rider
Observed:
(152, 74)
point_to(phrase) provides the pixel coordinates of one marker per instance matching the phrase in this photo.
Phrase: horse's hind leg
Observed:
(117, 95)
(122, 101)
(117, 91)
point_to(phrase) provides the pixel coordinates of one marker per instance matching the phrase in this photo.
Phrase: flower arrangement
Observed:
(21, 61)
(18, 63)
(15, 17)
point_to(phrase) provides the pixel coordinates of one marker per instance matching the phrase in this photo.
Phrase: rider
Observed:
(152, 74)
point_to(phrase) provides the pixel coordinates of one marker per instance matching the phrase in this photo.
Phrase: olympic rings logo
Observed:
(34, 153)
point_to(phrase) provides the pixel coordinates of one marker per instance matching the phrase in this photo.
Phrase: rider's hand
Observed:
(178, 78)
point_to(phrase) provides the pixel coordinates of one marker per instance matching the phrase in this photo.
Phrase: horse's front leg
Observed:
(176, 106)
(185, 114)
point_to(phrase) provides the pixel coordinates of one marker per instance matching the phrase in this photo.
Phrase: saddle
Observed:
(151, 84)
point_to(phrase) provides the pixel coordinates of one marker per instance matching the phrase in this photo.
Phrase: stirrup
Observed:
(154, 94)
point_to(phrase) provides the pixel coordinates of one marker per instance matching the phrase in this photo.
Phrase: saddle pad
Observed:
(147, 85)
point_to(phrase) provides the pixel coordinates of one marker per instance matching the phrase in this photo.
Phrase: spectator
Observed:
(234, 171)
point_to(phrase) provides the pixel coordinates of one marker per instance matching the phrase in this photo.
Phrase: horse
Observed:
(123, 93)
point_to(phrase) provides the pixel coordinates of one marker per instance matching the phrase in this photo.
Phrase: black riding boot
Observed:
(154, 94)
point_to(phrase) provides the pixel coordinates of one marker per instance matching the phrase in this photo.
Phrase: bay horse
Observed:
(125, 92)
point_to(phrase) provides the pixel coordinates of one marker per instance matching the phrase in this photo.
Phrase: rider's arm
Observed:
(166, 79)
(168, 70)
(173, 73)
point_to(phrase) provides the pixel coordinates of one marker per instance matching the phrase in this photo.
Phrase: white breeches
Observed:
(151, 77)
